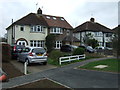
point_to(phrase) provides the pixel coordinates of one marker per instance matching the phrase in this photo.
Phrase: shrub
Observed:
(6, 52)
(50, 42)
(78, 51)
(55, 54)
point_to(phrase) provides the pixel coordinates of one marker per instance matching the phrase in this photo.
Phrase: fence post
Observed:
(25, 68)
(60, 61)
(69, 59)
(84, 55)
(78, 57)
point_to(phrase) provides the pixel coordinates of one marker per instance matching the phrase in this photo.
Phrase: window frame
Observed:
(58, 44)
(22, 28)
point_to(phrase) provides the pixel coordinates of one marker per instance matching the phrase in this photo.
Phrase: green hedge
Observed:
(79, 51)
(6, 52)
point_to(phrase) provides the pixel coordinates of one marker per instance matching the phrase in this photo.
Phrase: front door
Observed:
(21, 43)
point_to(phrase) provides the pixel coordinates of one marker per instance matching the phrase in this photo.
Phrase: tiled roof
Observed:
(92, 26)
(45, 20)
(116, 28)
(71, 38)
(55, 21)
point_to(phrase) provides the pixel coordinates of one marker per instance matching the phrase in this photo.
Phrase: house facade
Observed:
(99, 32)
(32, 29)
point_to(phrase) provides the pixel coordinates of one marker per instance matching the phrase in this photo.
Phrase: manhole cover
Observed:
(101, 66)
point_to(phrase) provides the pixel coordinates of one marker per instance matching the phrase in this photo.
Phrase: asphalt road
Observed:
(71, 77)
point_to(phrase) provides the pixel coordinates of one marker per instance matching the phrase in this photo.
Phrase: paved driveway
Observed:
(71, 77)
(33, 68)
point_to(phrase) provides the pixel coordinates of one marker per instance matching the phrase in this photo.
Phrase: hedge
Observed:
(6, 52)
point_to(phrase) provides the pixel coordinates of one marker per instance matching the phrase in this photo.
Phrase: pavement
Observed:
(71, 77)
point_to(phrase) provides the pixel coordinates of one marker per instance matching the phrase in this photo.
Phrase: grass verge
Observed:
(111, 63)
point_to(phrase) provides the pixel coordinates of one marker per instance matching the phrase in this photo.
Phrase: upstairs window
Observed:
(21, 28)
(37, 28)
(62, 19)
(56, 30)
(108, 34)
(54, 18)
(68, 32)
(47, 17)
(98, 34)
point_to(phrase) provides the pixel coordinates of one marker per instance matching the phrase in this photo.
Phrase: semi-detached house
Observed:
(99, 32)
(32, 29)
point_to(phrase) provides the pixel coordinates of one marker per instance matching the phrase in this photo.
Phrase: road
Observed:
(71, 77)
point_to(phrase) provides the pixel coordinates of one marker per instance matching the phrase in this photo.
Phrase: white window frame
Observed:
(35, 28)
(58, 44)
(56, 30)
(21, 43)
(37, 43)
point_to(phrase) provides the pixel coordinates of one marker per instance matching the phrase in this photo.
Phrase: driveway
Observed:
(33, 68)
(71, 77)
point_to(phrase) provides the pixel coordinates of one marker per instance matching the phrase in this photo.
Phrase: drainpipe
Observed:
(103, 39)
(12, 32)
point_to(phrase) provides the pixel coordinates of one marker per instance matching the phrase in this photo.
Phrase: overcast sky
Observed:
(75, 12)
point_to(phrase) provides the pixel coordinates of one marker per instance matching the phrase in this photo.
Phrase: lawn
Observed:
(111, 63)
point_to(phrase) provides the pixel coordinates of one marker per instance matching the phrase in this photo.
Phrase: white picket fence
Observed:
(71, 58)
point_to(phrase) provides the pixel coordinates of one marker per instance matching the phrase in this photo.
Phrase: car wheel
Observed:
(44, 63)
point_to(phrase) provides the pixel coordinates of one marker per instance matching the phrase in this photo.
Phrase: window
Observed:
(56, 30)
(108, 34)
(54, 18)
(36, 43)
(31, 43)
(47, 17)
(98, 34)
(37, 28)
(62, 19)
(21, 28)
(68, 32)
(58, 44)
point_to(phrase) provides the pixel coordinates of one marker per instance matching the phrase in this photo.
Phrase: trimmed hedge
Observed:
(79, 51)
(6, 52)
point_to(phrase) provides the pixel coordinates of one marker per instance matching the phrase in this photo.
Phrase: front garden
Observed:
(56, 54)
(110, 65)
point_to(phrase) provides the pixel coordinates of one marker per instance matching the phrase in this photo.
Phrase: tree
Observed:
(116, 41)
(92, 42)
(89, 40)
(50, 42)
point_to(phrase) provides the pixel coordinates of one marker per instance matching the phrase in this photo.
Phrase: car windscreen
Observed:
(38, 50)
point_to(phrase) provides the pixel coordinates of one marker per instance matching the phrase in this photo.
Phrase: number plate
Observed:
(39, 55)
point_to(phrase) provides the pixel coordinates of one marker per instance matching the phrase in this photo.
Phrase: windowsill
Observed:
(98, 36)
(37, 32)
(55, 33)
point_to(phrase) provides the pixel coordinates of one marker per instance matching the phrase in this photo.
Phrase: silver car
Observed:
(33, 55)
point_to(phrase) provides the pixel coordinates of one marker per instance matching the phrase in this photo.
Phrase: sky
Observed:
(75, 12)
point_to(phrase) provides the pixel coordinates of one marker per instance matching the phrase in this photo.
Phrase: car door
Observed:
(24, 54)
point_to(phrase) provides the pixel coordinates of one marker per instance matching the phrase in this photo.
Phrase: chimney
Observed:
(39, 11)
(92, 20)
